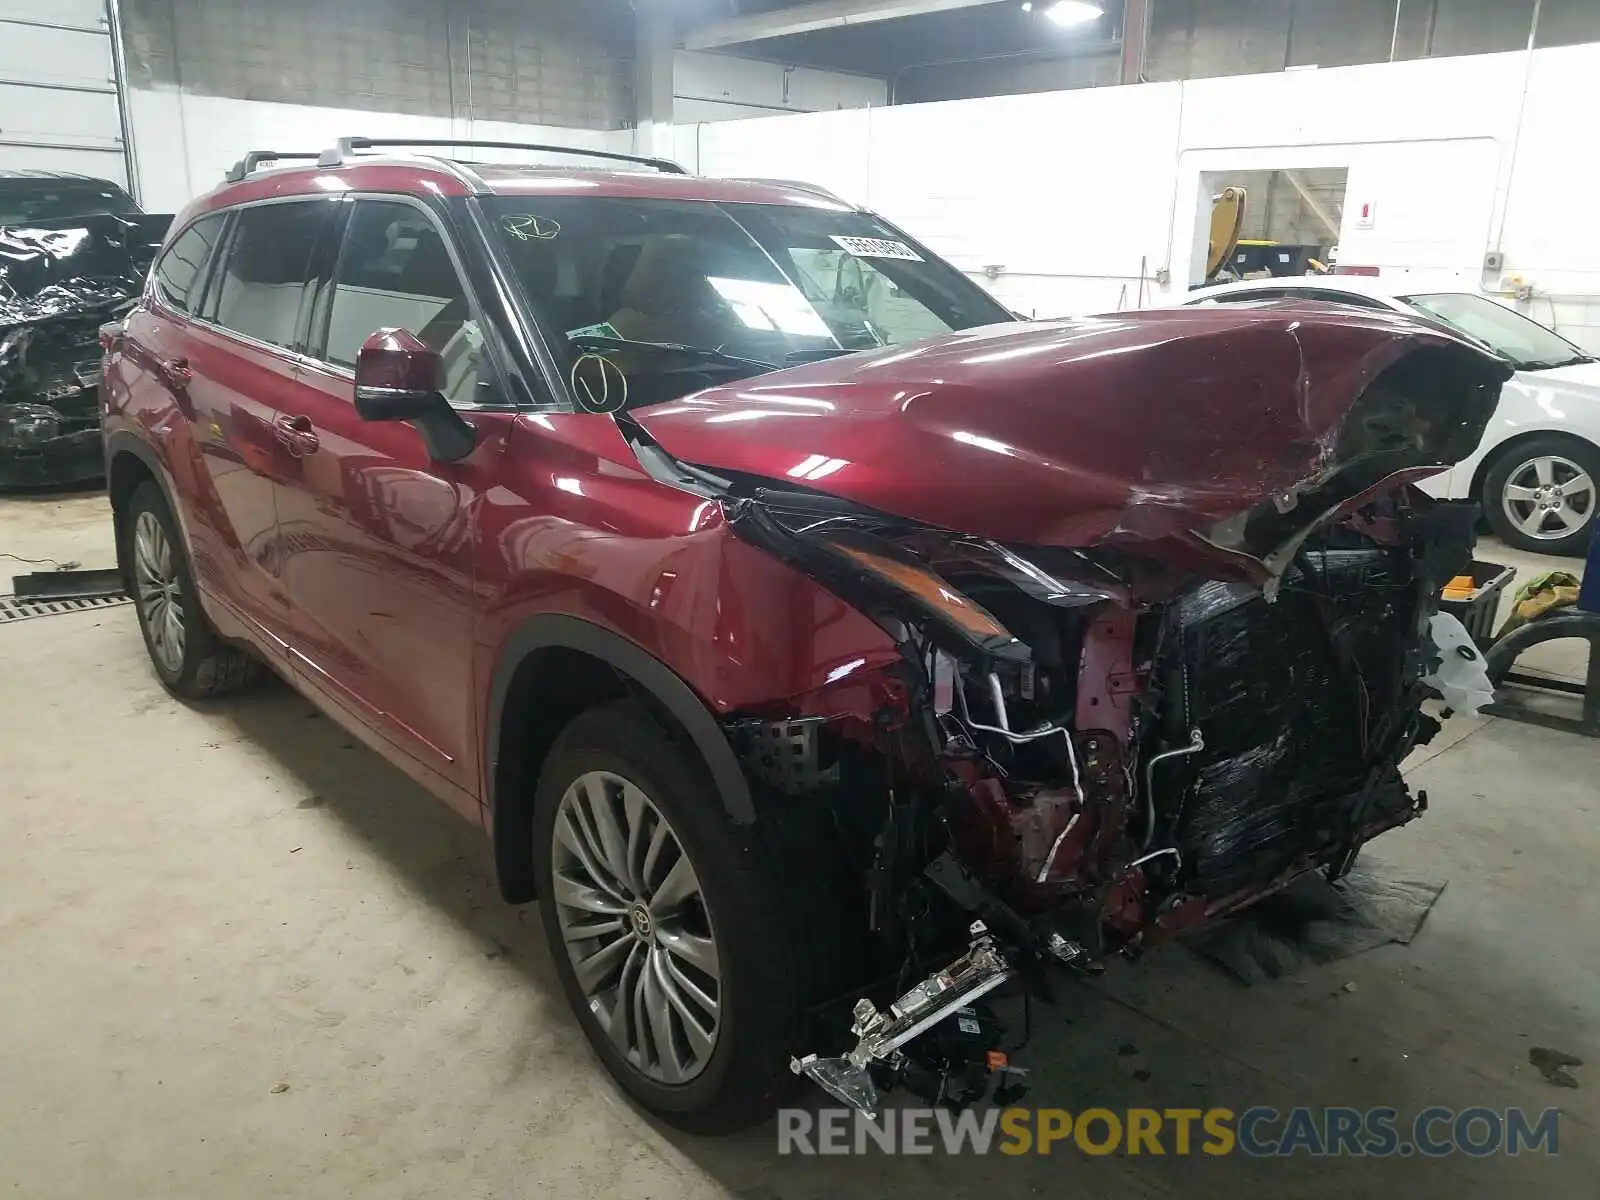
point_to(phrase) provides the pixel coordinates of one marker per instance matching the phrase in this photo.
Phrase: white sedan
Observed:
(1536, 469)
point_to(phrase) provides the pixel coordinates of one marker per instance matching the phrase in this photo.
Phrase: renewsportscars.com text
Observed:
(1258, 1132)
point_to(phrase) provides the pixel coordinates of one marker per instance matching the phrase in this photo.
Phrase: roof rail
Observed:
(256, 157)
(346, 147)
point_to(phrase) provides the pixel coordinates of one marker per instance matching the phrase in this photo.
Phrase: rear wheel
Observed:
(1541, 494)
(189, 658)
(666, 924)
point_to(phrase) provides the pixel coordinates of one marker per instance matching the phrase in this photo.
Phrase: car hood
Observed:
(1153, 426)
(1578, 377)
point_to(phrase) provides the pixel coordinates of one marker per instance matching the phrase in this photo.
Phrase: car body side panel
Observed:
(213, 431)
(576, 528)
(376, 554)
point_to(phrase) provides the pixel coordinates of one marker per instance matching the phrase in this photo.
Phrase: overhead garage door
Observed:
(60, 107)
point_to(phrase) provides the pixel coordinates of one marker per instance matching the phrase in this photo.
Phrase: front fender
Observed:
(556, 630)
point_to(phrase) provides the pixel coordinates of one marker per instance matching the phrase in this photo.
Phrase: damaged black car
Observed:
(73, 255)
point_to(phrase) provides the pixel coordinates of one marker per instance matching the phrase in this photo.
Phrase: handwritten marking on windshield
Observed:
(527, 227)
(599, 384)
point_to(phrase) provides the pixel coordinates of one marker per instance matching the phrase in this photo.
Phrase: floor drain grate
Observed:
(12, 609)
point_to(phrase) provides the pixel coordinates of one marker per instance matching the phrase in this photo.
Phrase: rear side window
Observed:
(258, 291)
(178, 271)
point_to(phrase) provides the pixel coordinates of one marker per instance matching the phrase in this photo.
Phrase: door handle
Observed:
(296, 434)
(177, 371)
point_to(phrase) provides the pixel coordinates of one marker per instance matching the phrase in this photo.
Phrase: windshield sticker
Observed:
(863, 247)
(605, 329)
(529, 228)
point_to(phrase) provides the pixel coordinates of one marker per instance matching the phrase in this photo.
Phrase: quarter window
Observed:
(259, 290)
(178, 271)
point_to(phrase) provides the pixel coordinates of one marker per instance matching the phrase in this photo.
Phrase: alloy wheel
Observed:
(156, 587)
(1549, 497)
(636, 927)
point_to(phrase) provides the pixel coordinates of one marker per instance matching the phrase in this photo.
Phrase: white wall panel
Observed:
(717, 87)
(47, 55)
(1066, 191)
(88, 14)
(833, 150)
(58, 95)
(187, 142)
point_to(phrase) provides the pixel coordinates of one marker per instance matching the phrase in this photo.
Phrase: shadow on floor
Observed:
(1401, 1027)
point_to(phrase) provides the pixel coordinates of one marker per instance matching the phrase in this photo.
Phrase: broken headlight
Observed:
(849, 553)
(28, 424)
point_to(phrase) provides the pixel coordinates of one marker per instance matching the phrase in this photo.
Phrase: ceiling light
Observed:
(1067, 13)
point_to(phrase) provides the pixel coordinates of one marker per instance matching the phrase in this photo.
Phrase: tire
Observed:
(760, 980)
(1542, 471)
(188, 657)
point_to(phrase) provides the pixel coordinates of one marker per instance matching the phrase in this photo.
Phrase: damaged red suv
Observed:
(821, 647)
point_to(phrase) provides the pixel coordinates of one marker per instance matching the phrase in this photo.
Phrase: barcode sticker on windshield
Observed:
(876, 248)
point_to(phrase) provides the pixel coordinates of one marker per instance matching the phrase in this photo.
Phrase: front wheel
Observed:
(666, 923)
(1541, 494)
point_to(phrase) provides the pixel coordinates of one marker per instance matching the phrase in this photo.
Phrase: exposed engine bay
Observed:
(1088, 765)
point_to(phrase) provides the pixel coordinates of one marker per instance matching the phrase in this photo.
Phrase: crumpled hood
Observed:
(1128, 428)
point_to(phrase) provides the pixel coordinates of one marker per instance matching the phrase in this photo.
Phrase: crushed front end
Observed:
(59, 282)
(1086, 750)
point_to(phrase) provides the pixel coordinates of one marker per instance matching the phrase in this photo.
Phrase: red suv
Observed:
(806, 633)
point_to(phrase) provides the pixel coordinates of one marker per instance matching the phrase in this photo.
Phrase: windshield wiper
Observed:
(818, 355)
(601, 341)
(1552, 364)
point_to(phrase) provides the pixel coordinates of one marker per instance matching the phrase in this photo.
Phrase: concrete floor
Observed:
(244, 957)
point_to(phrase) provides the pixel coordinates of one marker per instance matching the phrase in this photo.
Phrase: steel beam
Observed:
(819, 14)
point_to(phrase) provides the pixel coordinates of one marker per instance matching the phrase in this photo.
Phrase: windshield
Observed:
(23, 201)
(682, 295)
(1528, 345)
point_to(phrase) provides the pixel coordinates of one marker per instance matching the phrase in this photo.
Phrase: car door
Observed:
(238, 367)
(377, 537)
(206, 394)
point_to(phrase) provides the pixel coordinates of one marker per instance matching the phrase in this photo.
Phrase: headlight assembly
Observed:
(844, 553)
(28, 424)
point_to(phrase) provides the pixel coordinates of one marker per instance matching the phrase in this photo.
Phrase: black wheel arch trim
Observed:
(554, 630)
(122, 441)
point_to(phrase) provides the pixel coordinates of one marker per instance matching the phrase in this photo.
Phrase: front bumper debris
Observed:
(880, 1036)
(73, 458)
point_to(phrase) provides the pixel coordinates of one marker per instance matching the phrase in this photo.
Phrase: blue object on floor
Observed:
(1589, 593)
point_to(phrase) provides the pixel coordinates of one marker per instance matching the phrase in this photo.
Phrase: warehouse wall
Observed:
(1009, 76)
(187, 141)
(1198, 39)
(549, 62)
(1064, 222)
(720, 87)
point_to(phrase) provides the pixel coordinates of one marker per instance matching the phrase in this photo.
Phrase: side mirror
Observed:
(401, 378)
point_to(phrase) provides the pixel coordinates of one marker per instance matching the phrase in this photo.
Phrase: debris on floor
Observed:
(1553, 1065)
(1316, 922)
